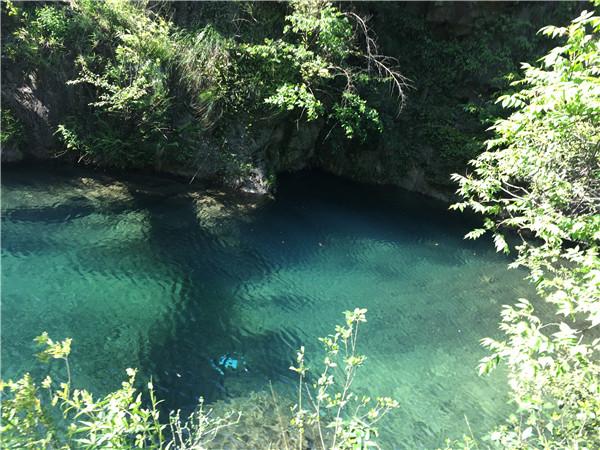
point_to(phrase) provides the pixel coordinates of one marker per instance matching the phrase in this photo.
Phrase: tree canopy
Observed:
(541, 179)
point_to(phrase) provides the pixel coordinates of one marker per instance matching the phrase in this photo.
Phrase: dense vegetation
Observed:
(157, 92)
(541, 178)
(538, 184)
(221, 91)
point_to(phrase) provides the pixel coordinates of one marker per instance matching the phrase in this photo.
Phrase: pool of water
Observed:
(148, 274)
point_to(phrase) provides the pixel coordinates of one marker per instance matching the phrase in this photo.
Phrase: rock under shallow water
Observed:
(112, 191)
(220, 212)
(263, 423)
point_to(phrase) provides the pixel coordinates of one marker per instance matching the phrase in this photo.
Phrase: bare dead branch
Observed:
(386, 67)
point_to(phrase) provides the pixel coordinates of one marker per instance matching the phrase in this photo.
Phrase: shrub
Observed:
(340, 418)
(11, 128)
(319, 67)
(47, 414)
(541, 179)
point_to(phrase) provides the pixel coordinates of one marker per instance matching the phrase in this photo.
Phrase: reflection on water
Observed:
(154, 277)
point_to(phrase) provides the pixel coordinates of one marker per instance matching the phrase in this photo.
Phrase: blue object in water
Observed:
(228, 362)
(232, 363)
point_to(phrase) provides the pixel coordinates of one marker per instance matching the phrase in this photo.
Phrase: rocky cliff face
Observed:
(454, 53)
(34, 111)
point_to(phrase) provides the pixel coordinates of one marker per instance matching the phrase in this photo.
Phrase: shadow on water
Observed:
(202, 323)
(180, 366)
(185, 344)
(76, 208)
(204, 271)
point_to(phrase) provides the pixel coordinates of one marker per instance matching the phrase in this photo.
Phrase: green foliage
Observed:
(203, 64)
(26, 422)
(131, 81)
(49, 28)
(541, 178)
(70, 139)
(354, 115)
(118, 420)
(554, 380)
(151, 89)
(292, 96)
(139, 75)
(342, 418)
(312, 68)
(156, 93)
(11, 129)
(124, 419)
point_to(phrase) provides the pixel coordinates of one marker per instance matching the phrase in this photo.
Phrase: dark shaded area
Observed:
(456, 54)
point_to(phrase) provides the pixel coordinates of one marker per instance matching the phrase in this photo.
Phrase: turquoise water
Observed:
(148, 274)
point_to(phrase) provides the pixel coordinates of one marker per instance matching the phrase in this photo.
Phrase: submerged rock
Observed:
(220, 213)
(96, 190)
(264, 423)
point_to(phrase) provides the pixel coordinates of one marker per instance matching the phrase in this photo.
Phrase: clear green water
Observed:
(140, 277)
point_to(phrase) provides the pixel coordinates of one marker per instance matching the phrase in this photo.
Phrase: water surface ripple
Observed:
(139, 278)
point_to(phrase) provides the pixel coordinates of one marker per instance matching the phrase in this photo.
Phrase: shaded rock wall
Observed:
(454, 53)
